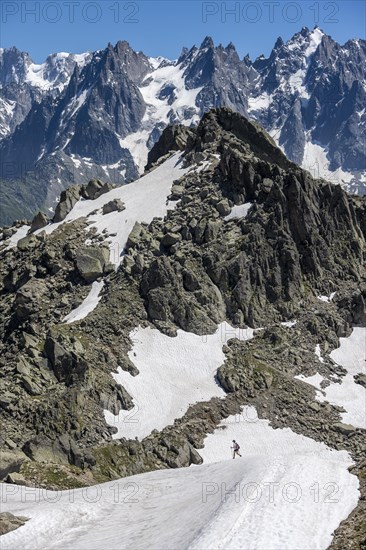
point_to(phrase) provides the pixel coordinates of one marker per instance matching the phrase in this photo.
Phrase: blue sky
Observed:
(163, 27)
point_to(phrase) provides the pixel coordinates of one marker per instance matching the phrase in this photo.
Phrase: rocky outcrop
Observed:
(29, 297)
(115, 205)
(95, 189)
(173, 138)
(93, 262)
(10, 462)
(9, 522)
(68, 199)
(39, 221)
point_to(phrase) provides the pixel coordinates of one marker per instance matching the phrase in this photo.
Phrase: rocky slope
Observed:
(297, 238)
(97, 115)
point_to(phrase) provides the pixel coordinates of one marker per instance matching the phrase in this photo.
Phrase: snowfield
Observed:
(288, 493)
(294, 491)
(351, 355)
(144, 199)
(174, 373)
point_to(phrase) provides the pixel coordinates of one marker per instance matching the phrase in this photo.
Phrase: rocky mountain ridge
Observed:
(297, 238)
(99, 114)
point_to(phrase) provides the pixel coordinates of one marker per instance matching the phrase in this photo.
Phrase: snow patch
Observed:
(239, 211)
(144, 199)
(314, 380)
(182, 508)
(174, 373)
(327, 299)
(318, 353)
(289, 324)
(20, 233)
(351, 355)
(88, 304)
(315, 38)
(177, 99)
(262, 101)
(316, 162)
(348, 394)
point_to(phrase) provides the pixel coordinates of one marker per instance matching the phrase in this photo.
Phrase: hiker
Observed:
(236, 448)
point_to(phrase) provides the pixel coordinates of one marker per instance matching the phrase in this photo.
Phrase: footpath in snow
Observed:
(294, 492)
(287, 492)
(173, 374)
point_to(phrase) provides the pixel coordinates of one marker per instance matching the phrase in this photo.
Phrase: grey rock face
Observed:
(301, 238)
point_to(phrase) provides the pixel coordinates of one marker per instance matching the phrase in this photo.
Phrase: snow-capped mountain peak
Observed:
(109, 107)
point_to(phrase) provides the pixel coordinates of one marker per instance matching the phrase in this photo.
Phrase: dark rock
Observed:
(92, 262)
(223, 207)
(39, 221)
(95, 189)
(29, 298)
(171, 238)
(67, 365)
(115, 205)
(173, 138)
(28, 243)
(68, 199)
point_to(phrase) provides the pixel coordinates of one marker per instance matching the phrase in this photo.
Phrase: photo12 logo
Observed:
(270, 12)
(69, 12)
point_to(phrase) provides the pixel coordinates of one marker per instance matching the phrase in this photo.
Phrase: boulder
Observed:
(11, 461)
(134, 236)
(41, 449)
(116, 205)
(176, 192)
(67, 365)
(16, 479)
(27, 243)
(360, 379)
(9, 522)
(68, 198)
(345, 429)
(6, 399)
(171, 238)
(30, 386)
(40, 220)
(96, 189)
(29, 297)
(223, 207)
(194, 456)
(92, 262)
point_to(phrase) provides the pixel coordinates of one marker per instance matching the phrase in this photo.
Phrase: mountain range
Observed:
(96, 115)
